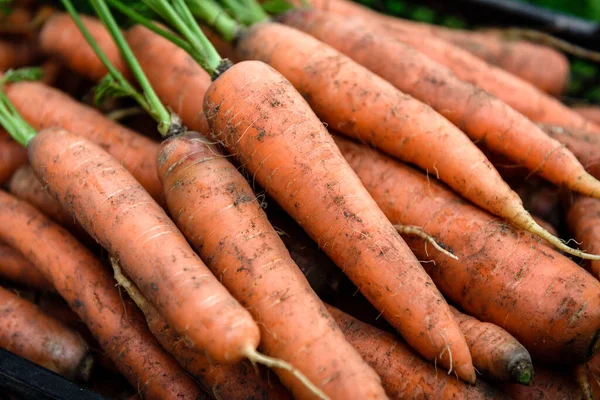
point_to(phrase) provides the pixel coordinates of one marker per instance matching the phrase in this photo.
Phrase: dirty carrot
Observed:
(355, 101)
(12, 155)
(201, 186)
(15, 268)
(503, 276)
(583, 218)
(25, 330)
(87, 286)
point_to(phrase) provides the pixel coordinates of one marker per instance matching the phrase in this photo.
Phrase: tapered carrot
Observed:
(201, 186)
(591, 113)
(15, 268)
(360, 104)
(548, 384)
(504, 276)
(12, 155)
(90, 291)
(223, 381)
(496, 354)
(518, 57)
(583, 219)
(404, 374)
(25, 330)
(260, 119)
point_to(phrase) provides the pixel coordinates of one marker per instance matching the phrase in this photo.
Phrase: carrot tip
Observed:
(522, 371)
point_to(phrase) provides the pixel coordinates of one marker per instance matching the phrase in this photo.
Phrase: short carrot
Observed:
(503, 276)
(201, 186)
(583, 218)
(404, 374)
(223, 381)
(25, 330)
(12, 155)
(90, 291)
(15, 268)
(358, 103)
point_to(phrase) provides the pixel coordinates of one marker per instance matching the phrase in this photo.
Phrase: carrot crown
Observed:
(10, 119)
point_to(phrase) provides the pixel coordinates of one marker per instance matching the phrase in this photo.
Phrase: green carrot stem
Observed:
(14, 124)
(211, 13)
(255, 11)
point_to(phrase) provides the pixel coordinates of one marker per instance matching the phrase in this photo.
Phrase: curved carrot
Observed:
(15, 268)
(201, 187)
(12, 155)
(583, 219)
(45, 107)
(224, 381)
(591, 113)
(496, 354)
(502, 276)
(403, 373)
(60, 37)
(259, 117)
(115, 210)
(360, 104)
(25, 330)
(90, 291)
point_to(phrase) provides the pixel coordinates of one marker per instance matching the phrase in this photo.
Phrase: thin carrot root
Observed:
(526, 222)
(256, 357)
(416, 231)
(583, 381)
(134, 293)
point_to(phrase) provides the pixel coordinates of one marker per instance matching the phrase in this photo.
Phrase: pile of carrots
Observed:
(234, 199)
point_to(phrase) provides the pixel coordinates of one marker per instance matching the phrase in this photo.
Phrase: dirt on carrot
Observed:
(16, 268)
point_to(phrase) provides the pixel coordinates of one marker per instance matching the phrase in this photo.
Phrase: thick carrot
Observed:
(548, 384)
(586, 151)
(503, 276)
(45, 107)
(403, 373)
(25, 330)
(15, 268)
(591, 113)
(360, 104)
(115, 210)
(12, 155)
(259, 117)
(201, 186)
(583, 218)
(518, 57)
(224, 381)
(60, 37)
(496, 353)
(90, 291)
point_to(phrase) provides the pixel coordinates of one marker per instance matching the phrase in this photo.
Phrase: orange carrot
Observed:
(583, 218)
(548, 384)
(360, 104)
(90, 291)
(45, 107)
(496, 354)
(404, 374)
(591, 113)
(259, 117)
(12, 155)
(201, 186)
(502, 276)
(25, 330)
(223, 381)
(15, 268)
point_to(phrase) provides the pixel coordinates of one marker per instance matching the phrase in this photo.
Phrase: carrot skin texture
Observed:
(112, 207)
(12, 155)
(501, 274)
(547, 384)
(270, 114)
(583, 219)
(245, 252)
(16, 268)
(25, 330)
(90, 291)
(587, 150)
(404, 374)
(480, 115)
(45, 107)
(60, 37)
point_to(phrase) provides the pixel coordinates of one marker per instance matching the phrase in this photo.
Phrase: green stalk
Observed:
(14, 124)
(211, 13)
(255, 11)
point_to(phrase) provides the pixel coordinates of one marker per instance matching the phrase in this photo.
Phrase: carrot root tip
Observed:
(416, 231)
(521, 371)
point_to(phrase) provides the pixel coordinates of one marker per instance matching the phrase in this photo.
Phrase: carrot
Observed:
(496, 354)
(503, 276)
(223, 381)
(548, 384)
(583, 218)
(45, 107)
(358, 103)
(25, 330)
(259, 117)
(16, 54)
(15, 268)
(89, 289)
(403, 373)
(518, 57)
(60, 37)
(201, 186)
(590, 377)
(12, 155)
(591, 113)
